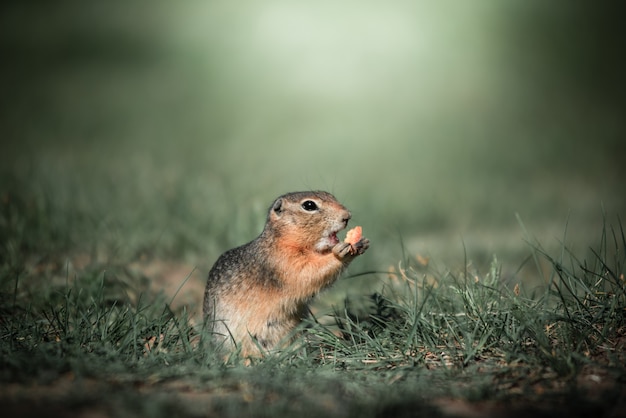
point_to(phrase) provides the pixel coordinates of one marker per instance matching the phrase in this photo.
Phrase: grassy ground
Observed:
(479, 150)
(97, 340)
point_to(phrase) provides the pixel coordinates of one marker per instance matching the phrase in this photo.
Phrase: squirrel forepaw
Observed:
(360, 247)
(344, 249)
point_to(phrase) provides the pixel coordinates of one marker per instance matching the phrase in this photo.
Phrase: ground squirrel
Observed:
(256, 294)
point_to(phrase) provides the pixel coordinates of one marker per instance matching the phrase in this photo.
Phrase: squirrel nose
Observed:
(346, 217)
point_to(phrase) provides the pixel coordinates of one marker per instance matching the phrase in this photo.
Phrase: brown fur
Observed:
(256, 294)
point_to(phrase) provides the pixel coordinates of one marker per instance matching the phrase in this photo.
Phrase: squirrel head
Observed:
(308, 220)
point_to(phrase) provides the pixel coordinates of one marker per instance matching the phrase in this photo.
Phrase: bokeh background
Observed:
(167, 128)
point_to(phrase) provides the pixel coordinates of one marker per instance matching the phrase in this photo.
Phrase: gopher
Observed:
(257, 294)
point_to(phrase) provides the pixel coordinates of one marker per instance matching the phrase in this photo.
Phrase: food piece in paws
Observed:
(354, 235)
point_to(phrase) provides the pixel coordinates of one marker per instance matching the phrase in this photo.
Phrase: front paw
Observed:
(359, 247)
(344, 249)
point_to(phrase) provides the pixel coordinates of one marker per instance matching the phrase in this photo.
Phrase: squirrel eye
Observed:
(309, 205)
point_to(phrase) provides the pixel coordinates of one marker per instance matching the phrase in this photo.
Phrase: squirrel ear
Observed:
(277, 207)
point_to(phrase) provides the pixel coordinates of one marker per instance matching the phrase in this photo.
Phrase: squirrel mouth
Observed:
(327, 242)
(333, 238)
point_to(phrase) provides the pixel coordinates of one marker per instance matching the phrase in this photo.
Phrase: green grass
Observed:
(96, 340)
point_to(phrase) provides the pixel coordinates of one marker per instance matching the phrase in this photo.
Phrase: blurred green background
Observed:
(167, 128)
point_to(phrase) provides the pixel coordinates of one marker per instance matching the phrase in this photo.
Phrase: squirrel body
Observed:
(257, 294)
